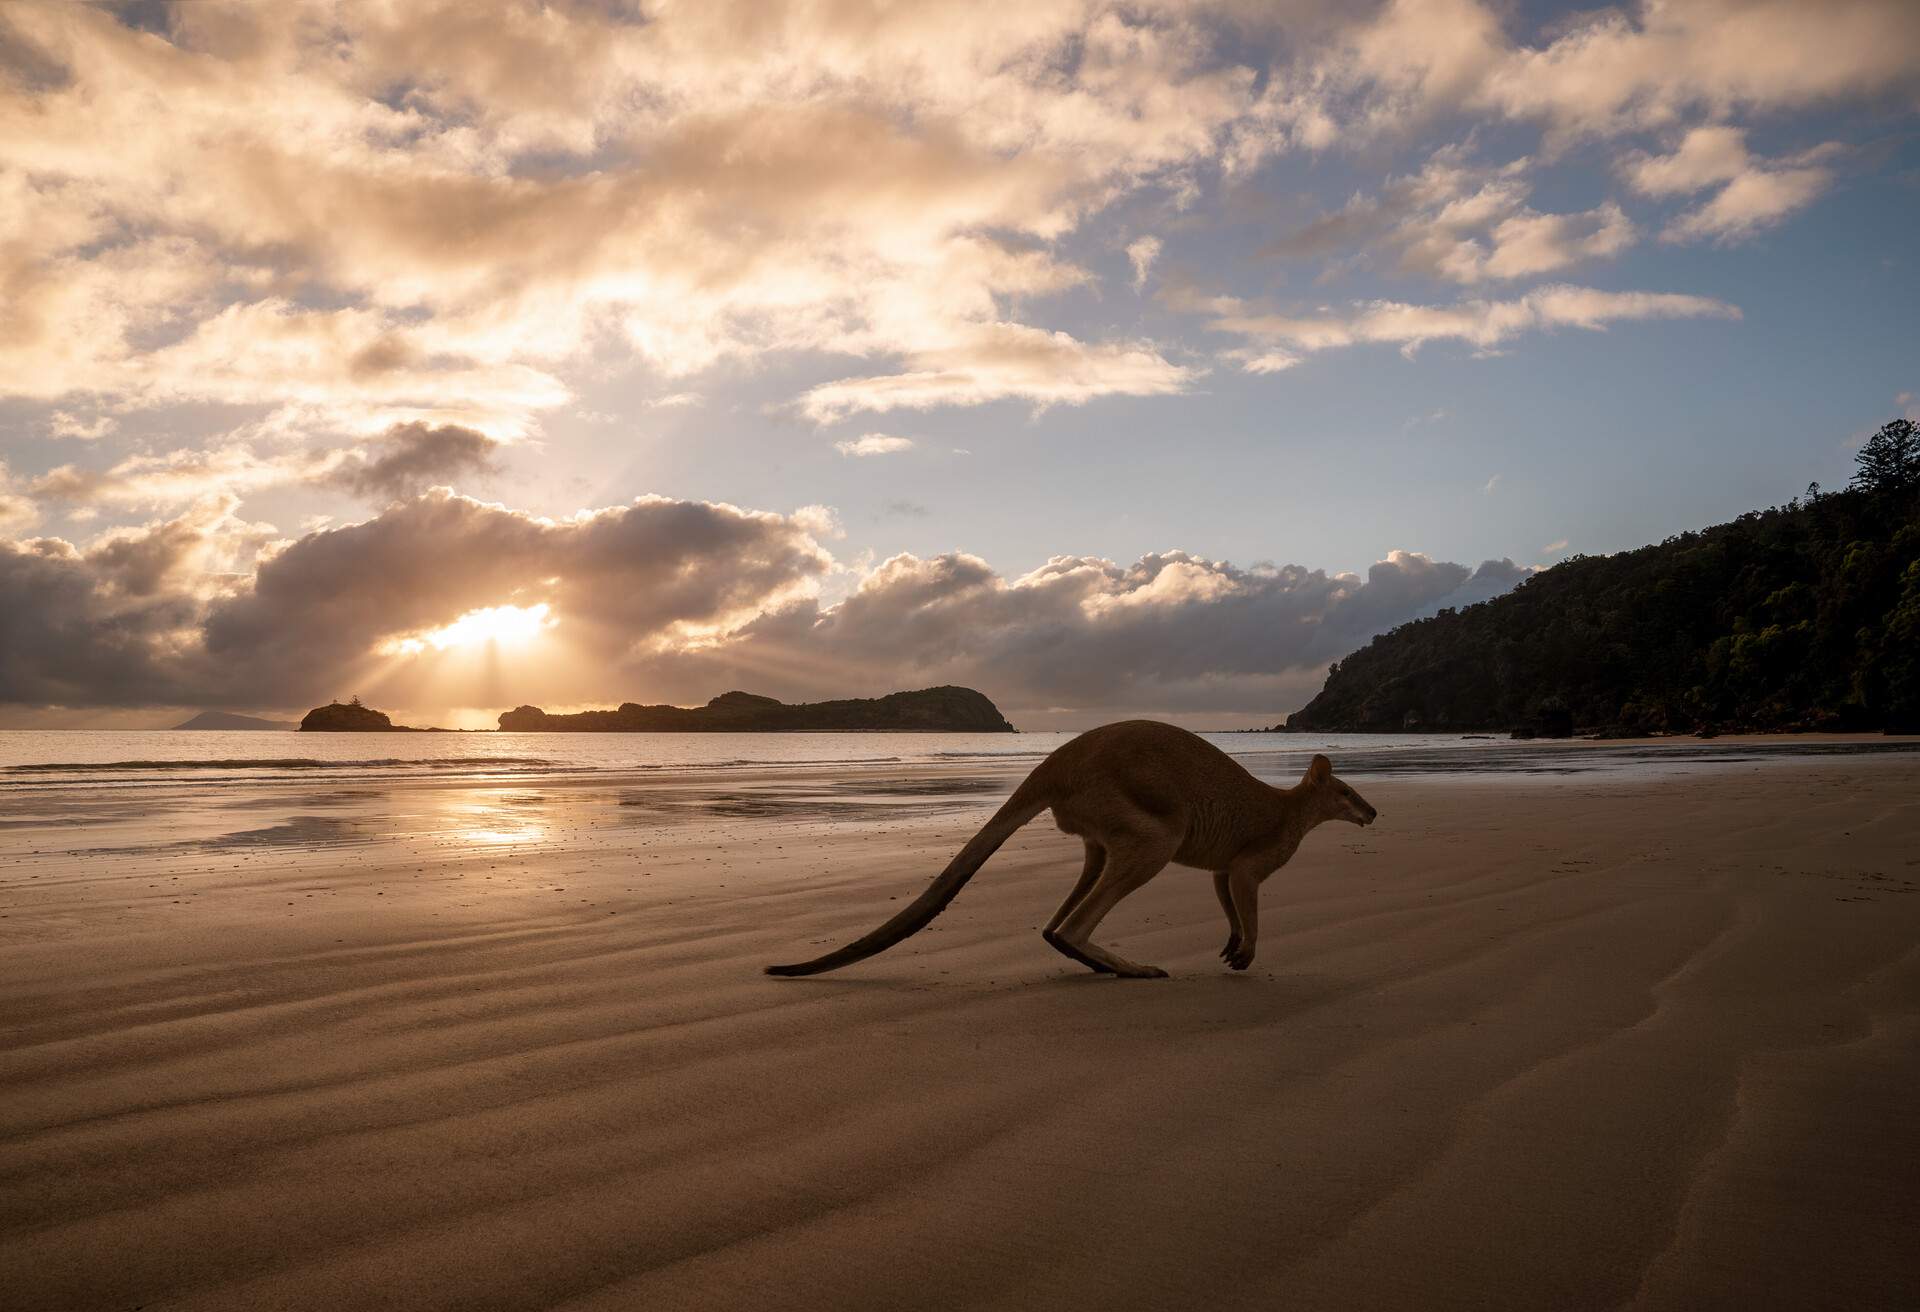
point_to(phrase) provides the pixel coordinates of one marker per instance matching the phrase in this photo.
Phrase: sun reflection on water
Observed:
(496, 818)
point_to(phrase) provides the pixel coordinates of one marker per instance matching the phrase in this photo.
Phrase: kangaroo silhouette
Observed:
(1140, 795)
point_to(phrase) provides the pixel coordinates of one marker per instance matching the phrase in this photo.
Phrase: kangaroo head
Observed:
(1335, 799)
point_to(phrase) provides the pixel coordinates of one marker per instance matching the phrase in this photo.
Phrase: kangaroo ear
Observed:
(1320, 770)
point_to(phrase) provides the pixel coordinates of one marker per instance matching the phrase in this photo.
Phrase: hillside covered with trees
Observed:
(1802, 616)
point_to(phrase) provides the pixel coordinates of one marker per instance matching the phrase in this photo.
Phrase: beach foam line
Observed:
(278, 763)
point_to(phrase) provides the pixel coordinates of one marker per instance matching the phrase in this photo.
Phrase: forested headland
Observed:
(1804, 616)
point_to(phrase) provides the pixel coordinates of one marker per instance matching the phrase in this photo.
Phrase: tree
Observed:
(1889, 461)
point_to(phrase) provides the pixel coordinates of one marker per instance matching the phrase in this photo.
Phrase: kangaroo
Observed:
(1139, 794)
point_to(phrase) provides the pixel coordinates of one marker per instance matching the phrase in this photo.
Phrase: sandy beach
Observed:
(1553, 1043)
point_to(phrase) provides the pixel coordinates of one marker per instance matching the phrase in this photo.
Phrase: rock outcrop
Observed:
(348, 717)
(928, 710)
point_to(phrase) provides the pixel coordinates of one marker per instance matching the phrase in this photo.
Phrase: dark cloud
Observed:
(617, 577)
(1171, 632)
(1492, 579)
(122, 623)
(409, 458)
(92, 628)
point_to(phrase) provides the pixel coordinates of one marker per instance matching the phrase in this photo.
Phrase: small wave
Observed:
(1016, 754)
(275, 763)
(769, 762)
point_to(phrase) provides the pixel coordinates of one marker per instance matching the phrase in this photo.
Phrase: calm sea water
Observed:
(78, 758)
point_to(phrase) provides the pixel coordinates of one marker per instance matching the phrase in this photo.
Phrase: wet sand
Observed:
(1571, 1043)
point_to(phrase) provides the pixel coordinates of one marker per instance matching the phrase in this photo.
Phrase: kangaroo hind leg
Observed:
(1127, 868)
(1096, 861)
(1221, 891)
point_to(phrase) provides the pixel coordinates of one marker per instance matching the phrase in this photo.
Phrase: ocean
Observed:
(38, 759)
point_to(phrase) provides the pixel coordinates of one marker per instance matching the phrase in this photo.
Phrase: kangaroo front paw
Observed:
(1242, 957)
(1233, 946)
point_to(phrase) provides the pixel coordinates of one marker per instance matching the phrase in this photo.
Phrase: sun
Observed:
(488, 625)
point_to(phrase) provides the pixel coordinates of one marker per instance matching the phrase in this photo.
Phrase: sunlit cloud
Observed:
(484, 625)
(1754, 193)
(1005, 361)
(1463, 222)
(1141, 253)
(1484, 325)
(873, 444)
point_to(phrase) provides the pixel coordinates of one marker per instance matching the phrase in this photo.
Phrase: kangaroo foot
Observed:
(1111, 962)
(1067, 949)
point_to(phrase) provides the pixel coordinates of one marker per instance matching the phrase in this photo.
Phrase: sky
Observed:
(1110, 359)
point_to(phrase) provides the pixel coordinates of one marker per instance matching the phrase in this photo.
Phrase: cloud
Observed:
(118, 622)
(1554, 548)
(1491, 486)
(405, 459)
(1171, 631)
(1005, 361)
(1492, 579)
(663, 599)
(179, 476)
(1392, 69)
(412, 457)
(1755, 200)
(1606, 71)
(166, 615)
(1528, 244)
(873, 444)
(444, 219)
(1141, 253)
(17, 512)
(1754, 193)
(63, 423)
(1462, 222)
(1706, 155)
(1484, 325)
(615, 579)
(1618, 70)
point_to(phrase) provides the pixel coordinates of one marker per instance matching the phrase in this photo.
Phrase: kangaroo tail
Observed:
(1023, 806)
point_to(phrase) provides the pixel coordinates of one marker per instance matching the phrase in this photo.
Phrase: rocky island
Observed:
(352, 717)
(927, 710)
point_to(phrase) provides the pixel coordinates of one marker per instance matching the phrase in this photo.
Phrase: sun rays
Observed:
(485, 626)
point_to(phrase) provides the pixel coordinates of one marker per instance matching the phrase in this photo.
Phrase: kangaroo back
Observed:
(1023, 806)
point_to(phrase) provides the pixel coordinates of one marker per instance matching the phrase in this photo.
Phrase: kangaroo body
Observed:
(1139, 795)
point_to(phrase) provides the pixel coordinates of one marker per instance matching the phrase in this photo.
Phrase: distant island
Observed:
(1800, 617)
(228, 720)
(929, 710)
(352, 717)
